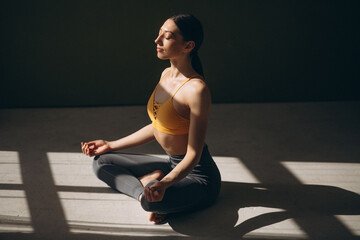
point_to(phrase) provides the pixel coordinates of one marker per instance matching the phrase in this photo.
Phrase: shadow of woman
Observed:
(306, 204)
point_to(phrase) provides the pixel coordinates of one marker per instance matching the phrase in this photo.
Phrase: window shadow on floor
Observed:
(316, 204)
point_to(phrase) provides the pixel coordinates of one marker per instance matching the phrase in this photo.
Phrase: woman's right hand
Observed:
(94, 148)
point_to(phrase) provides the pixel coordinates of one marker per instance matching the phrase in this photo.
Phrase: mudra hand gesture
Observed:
(94, 148)
(155, 193)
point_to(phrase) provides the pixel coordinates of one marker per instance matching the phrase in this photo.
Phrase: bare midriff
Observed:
(172, 144)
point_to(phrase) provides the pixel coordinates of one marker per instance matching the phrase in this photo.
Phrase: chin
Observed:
(162, 57)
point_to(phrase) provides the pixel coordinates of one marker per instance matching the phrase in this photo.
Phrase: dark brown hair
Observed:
(191, 30)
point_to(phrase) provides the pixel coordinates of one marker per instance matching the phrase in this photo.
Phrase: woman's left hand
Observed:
(156, 192)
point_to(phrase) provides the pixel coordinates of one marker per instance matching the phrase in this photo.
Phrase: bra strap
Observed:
(183, 84)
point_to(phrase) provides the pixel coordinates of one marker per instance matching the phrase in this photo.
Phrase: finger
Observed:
(150, 198)
(150, 195)
(156, 195)
(87, 151)
(93, 152)
(92, 143)
(146, 193)
(83, 148)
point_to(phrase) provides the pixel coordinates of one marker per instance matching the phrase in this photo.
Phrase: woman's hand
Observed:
(94, 148)
(156, 192)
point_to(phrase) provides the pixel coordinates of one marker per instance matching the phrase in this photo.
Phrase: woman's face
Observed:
(170, 43)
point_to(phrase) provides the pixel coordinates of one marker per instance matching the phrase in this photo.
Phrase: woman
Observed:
(179, 109)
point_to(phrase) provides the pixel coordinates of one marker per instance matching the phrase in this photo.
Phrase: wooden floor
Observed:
(289, 171)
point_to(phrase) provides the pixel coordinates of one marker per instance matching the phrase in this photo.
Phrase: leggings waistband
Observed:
(205, 157)
(180, 157)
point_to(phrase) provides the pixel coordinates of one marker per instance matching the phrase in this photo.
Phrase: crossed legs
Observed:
(130, 173)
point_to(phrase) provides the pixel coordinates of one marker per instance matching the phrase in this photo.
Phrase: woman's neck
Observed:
(181, 67)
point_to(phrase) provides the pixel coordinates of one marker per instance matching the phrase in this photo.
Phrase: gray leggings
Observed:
(197, 190)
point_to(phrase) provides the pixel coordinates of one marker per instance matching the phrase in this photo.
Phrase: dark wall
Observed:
(102, 52)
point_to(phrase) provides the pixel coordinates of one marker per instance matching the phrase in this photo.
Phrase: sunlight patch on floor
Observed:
(10, 168)
(90, 206)
(232, 169)
(342, 175)
(14, 210)
(287, 227)
(91, 211)
(352, 222)
(97, 209)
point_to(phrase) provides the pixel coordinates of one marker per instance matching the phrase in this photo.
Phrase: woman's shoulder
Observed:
(196, 87)
(166, 70)
(197, 83)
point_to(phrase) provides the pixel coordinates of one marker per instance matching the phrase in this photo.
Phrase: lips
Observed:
(159, 49)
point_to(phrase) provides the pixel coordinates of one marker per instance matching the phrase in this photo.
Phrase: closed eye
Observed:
(168, 34)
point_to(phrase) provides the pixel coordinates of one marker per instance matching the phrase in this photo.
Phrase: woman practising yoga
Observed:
(179, 109)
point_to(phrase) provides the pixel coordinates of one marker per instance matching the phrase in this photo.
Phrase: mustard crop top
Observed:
(164, 117)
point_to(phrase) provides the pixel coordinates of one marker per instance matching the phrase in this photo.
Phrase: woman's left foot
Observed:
(155, 175)
(157, 218)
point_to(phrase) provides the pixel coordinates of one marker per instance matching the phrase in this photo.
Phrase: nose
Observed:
(157, 40)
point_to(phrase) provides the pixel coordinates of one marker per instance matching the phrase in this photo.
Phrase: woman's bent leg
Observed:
(121, 171)
(198, 190)
(188, 194)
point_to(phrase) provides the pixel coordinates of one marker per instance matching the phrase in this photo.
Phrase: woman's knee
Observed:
(150, 206)
(97, 163)
(145, 204)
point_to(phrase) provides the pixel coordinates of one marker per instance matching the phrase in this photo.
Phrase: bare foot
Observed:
(155, 175)
(157, 218)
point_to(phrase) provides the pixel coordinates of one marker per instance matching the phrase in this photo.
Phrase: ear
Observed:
(189, 46)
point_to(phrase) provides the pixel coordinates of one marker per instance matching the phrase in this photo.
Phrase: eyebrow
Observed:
(168, 31)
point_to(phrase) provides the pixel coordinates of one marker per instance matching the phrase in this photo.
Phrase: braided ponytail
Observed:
(196, 63)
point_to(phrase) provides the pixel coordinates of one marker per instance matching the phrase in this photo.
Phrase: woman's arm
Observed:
(199, 104)
(142, 136)
(199, 101)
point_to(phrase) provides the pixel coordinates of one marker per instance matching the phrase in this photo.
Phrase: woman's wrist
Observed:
(110, 145)
(167, 182)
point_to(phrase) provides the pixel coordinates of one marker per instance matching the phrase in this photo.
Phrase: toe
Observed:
(152, 217)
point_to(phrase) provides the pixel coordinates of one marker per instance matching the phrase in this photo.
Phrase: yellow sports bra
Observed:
(164, 117)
